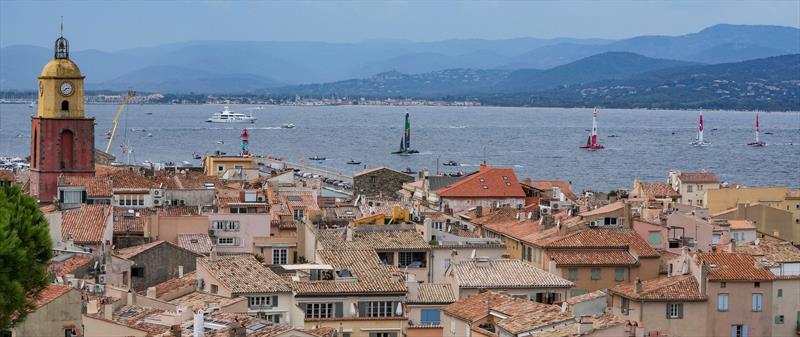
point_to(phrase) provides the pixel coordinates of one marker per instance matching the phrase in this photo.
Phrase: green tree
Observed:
(25, 248)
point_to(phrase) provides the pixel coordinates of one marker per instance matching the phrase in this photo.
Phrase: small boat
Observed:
(229, 116)
(408, 170)
(700, 141)
(149, 113)
(33, 104)
(149, 135)
(613, 136)
(288, 126)
(592, 143)
(450, 163)
(317, 158)
(195, 155)
(758, 142)
(456, 174)
(353, 162)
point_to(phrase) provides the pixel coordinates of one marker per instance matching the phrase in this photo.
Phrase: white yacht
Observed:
(229, 116)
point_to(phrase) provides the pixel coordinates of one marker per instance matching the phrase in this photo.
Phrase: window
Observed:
(220, 168)
(386, 257)
(758, 302)
(260, 301)
(780, 292)
(447, 263)
(779, 319)
(379, 309)
(430, 317)
(674, 310)
(438, 225)
(689, 188)
(595, 273)
(280, 256)
(373, 180)
(137, 271)
(654, 237)
(225, 225)
(214, 288)
(619, 274)
(740, 330)
(699, 187)
(382, 334)
(715, 238)
(572, 274)
(72, 197)
(228, 241)
(722, 302)
(625, 306)
(412, 259)
(319, 310)
(274, 318)
(723, 284)
(610, 221)
(577, 292)
(690, 201)
(299, 214)
(64, 105)
(699, 202)
(69, 332)
(757, 285)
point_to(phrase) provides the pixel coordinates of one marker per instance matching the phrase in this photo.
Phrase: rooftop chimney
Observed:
(238, 330)
(175, 330)
(108, 311)
(551, 266)
(198, 329)
(212, 255)
(478, 211)
(585, 325)
(180, 271)
(732, 246)
(348, 234)
(130, 299)
(151, 292)
(637, 287)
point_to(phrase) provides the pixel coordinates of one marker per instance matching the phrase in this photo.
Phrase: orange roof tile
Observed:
(592, 257)
(49, 294)
(187, 281)
(606, 238)
(489, 182)
(504, 221)
(672, 288)
(7, 175)
(96, 187)
(698, 177)
(733, 267)
(741, 224)
(86, 224)
(69, 266)
(126, 221)
(563, 185)
(477, 306)
(658, 191)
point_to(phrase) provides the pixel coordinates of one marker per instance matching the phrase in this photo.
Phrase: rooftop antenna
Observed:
(62, 26)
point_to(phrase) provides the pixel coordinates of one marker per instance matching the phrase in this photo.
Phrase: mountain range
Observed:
(463, 65)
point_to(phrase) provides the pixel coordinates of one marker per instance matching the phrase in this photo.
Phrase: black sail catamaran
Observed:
(405, 141)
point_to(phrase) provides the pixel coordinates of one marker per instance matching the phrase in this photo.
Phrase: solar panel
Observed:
(256, 327)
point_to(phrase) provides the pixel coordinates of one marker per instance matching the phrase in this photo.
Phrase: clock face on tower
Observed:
(66, 88)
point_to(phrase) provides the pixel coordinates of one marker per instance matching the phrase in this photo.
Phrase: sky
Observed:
(116, 25)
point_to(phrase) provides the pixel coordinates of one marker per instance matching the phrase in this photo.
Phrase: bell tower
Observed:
(62, 138)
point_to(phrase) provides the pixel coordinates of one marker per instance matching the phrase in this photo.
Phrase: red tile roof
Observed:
(606, 238)
(489, 182)
(672, 288)
(563, 185)
(69, 266)
(49, 294)
(187, 281)
(87, 224)
(698, 177)
(658, 191)
(96, 187)
(733, 267)
(504, 221)
(127, 222)
(475, 307)
(7, 175)
(592, 257)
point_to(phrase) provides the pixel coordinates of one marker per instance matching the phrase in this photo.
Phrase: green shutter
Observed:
(338, 309)
(680, 310)
(362, 309)
(274, 301)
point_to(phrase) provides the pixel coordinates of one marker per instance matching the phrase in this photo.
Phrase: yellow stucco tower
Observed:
(61, 86)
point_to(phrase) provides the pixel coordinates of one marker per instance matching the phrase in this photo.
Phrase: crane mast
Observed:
(116, 118)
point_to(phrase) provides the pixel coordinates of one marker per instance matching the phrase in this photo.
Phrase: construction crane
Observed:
(119, 111)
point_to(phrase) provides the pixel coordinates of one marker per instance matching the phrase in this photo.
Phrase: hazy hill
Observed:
(184, 80)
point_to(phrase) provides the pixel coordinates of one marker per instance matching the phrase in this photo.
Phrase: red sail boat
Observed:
(700, 141)
(758, 142)
(592, 143)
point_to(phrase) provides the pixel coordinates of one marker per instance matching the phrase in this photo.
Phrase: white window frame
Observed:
(226, 225)
(380, 309)
(282, 258)
(73, 197)
(674, 310)
(757, 302)
(299, 213)
(320, 310)
(723, 302)
(228, 241)
(261, 301)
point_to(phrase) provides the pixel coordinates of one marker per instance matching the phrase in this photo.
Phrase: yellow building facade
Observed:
(218, 165)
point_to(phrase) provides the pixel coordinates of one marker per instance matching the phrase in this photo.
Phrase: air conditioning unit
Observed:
(101, 278)
(99, 289)
(73, 283)
(156, 201)
(167, 202)
(212, 232)
(156, 193)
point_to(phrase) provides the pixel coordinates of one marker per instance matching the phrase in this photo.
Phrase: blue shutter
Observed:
(745, 331)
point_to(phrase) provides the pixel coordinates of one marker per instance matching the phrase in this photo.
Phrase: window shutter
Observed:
(83, 196)
(274, 301)
(733, 331)
(61, 196)
(680, 310)
(745, 331)
(303, 307)
(362, 309)
(667, 310)
(338, 309)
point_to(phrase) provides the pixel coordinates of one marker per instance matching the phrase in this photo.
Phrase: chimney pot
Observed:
(637, 287)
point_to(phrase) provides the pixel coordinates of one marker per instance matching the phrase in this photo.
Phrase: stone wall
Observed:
(380, 182)
(160, 264)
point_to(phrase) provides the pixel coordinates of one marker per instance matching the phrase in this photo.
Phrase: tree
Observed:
(25, 248)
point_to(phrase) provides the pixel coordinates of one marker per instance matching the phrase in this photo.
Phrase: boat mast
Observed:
(407, 133)
(757, 129)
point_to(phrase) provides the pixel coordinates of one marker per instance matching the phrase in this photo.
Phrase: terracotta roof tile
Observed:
(612, 207)
(733, 267)
(370, 275)
(69, 266)
(204, 300)
(433, 293)
(770, 252)
(599, 322)
(86, 224)
(475, 307)
(592, 257)
(672, 288)
(198, 243)
(178, 211)
(525, 315)
(378, 239)
(503, 273)
(7, 175)
(586, 297)
(127, 253)
(187, 281)
(49, 294)
(606, 238)
(741, 224)
(489, 182)
(659, 191)
(131, 220)
(698, 177)
(96, 187)
(244, 274)
(504, 221)
(563, 185)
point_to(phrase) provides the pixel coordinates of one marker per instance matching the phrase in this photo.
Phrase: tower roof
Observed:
(64, 68)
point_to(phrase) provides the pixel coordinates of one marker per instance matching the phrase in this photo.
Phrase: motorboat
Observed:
(229, 116)
(317, 158)
(288, 126)
(196, 155)
(450, 163)
(353, 162)
(408, 170)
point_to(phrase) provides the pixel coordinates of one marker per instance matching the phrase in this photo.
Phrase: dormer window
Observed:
(344, 272)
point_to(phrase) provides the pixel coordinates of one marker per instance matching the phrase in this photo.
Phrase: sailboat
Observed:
(405, 141)
(699, 141)
(591, 142)
(758, 142)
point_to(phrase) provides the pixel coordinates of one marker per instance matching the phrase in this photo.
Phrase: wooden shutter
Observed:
(303, 307)
(745, 331)
(680, 310)
(274, 301)
(667, 310)
(338, 309)
(362, 309)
